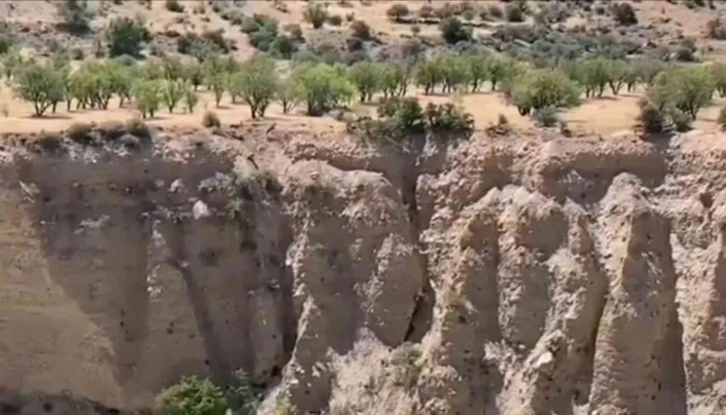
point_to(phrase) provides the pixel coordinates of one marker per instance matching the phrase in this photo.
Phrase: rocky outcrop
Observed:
(501, 275)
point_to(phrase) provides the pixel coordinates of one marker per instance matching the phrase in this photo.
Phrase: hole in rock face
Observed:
(47, 407)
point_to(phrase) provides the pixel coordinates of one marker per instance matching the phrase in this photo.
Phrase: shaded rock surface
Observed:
(497, 276)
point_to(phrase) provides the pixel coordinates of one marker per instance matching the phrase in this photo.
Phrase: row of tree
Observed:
(171, 82)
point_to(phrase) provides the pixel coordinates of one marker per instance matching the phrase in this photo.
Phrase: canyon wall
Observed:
(500, 275)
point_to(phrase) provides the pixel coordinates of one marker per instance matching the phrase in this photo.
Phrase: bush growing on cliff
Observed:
(192, 396)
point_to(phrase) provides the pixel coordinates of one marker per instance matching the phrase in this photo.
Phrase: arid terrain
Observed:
(517, 270)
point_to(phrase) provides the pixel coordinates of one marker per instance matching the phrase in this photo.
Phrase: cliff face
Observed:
(499, 276)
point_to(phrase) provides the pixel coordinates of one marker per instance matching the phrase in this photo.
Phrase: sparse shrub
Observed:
(406, 360)
(125, 37)
(715, 29)
(545, 117)
(211, 119)
(6, 42)
(682, 122)
(624, 14)
(415, 29)
(426, 11)
(174, 6)
(334, 20)
(361, 30)
(543, 88)
(495, 11)
(294, 30)
(283, 46)
(397, 11)
(75, 15)
(192, 396)
(686, 50)
(262, 31)
(80, 132)
(514, 13)
(448, 120)
(453, 31)
(77, 54)
(315, 13)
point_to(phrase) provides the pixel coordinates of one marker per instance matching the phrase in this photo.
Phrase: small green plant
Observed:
(453, 31)
(192, 396)
(407, 361)
(126, 36)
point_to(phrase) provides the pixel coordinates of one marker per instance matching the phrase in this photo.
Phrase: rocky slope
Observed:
(509, 275)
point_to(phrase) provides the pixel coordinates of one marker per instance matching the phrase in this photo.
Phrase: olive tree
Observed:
(147, 96)
(686, 89)
(323, 87)
(258, 84)
(172, 92)
(367, 78)
(40, 85)
(538, 89)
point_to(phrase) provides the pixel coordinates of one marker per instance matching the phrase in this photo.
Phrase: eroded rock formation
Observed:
(499, 276)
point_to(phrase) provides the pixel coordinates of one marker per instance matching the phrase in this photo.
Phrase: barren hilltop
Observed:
(362, 207)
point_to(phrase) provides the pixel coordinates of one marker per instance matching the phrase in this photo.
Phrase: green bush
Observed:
(192, 396)
(624, 14)
(685, 89)
(316, 14)
(125, 37)
(6, 42)
(397, 11)
(542, 88)
(453, 31)
(448, 120)
(75, 15)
